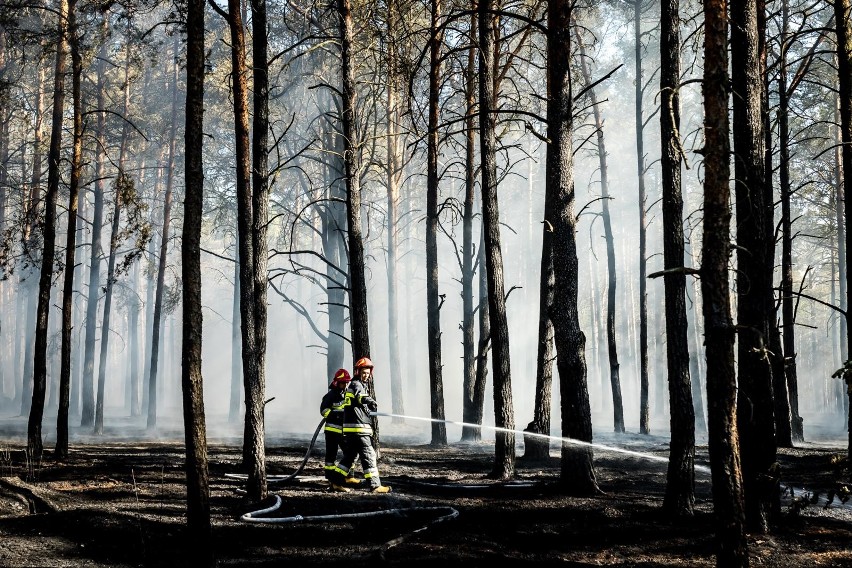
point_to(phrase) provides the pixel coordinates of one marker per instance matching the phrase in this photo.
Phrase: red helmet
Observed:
(363, 362)
(341, 378)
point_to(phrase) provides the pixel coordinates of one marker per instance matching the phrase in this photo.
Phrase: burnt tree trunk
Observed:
(723, 438)
(843, 19)
(433, 300)
(36, 411)
(755, 401)
(577, 467)
(195, 429)
(679, 499)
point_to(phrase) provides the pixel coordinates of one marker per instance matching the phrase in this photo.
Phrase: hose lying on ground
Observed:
(285, 478)
(254, 516)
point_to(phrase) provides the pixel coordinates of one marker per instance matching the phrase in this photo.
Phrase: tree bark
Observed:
(577, 467)
(161, 267)
(843, 19)
(644, 412)
(755, 401)
(195, 433)
(679, 499)
(359, 316)
(36, 411)
(260, 249)
(433, 301)
(723, 437)
(471, 356)
(504, 451)
(394, 175)
(61, 448)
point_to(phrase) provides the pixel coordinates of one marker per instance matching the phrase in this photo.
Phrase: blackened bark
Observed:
(679, 499)
(253, 435)
(394, 180)
(755, 401)
(470, 414)
(788, 317)
(644, 413)
(359, 317)
(577, 466)
(843, 18)
(36, 413)
(61, 448)
(723, 437)
(161, 265)
(433, 300)
(195, 429)
(260, 249)
(504, 451)
(612, 276)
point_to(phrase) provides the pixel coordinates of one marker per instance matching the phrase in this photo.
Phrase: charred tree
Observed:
(36, 413)
(723, 438)
(680, 477)
(504, 454)
(577, 468)
(755, 302)
(433, 300)
(195, 430)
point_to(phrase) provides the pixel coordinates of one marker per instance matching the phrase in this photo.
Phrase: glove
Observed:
(371, 404)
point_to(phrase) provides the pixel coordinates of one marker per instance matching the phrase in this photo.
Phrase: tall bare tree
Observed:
(723, 437)
(156, 331)
(639, 86)
(61, 448)
(473, 384)
(195, 429)
(843, 21)
(680, 479)
(577, 468)
(34, 439)
(433, 300)
(504, 451)
(755, 302)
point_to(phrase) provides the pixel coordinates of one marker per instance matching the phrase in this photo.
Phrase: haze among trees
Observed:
(580, 216)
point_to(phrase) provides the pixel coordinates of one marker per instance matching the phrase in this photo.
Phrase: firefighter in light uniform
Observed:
(358, 429)
(331, 409)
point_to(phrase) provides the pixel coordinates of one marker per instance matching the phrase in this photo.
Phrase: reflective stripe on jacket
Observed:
(356, 415)
(331, 409)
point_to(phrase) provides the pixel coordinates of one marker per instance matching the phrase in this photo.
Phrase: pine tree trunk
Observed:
(468, 273)
(433, 301)
(504, 451)
(577, 468)
(195, 432)
(723, 440)
(843, 20)
(61, 448)
(36, 409)
(679, 499)
(644, 412)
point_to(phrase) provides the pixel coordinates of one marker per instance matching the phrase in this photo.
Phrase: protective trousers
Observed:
(358, 446)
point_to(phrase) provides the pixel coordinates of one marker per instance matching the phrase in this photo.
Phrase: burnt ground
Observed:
(121, 503)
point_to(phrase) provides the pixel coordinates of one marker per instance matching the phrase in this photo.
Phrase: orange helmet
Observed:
(363, 362)
(341, 378)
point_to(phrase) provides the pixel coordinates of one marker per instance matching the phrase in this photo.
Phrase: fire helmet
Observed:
(341, 378)
(363, 362)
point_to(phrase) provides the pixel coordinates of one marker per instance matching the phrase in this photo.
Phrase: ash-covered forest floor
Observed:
(118, 502)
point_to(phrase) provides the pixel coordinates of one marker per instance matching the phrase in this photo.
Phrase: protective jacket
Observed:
(331, 408)
(357, 432)
(356, 409)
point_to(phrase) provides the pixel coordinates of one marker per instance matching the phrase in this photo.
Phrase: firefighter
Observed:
(358, 429)
(331, 409)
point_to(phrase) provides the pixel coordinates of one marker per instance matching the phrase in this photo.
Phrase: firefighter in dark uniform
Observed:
(331, 409)
(358, 429)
